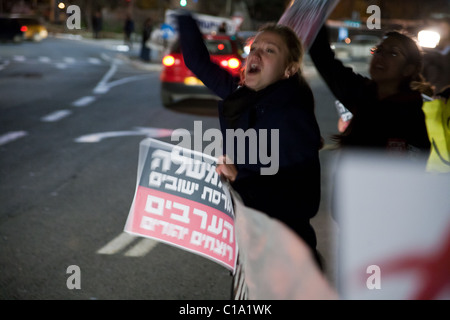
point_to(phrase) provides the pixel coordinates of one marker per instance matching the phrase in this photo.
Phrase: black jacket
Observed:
(292, 195)
(397, 121)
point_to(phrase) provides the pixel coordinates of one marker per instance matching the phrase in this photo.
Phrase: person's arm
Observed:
(197, 58)
(344, 83)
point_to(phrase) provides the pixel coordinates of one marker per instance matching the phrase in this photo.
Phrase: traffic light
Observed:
(183, 3)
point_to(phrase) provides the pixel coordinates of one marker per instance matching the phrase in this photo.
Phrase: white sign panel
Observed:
(394, 229)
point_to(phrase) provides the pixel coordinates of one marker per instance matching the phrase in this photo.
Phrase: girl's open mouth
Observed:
(254, 68)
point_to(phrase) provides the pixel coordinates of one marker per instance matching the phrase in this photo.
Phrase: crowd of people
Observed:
(272, 93)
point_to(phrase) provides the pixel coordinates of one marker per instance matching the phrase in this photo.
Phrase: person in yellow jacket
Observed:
(437, 118)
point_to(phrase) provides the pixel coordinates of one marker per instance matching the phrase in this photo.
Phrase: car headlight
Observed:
(428, 38)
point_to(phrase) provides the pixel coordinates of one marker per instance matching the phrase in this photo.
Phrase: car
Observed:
(11, 30)
(33, 27)
(178, 82)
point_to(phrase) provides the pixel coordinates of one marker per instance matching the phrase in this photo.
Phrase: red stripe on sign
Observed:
(184, 223)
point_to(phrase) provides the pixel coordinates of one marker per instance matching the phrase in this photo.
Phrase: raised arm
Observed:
(346, 85)
(197, 58)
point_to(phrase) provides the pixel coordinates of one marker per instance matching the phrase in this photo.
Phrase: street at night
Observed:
(73, 111)
(72, 152)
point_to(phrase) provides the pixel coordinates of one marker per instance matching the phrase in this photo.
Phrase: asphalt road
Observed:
(72, 115)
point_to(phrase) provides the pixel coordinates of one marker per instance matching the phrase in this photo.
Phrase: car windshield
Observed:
(218, 47)
(214, 46)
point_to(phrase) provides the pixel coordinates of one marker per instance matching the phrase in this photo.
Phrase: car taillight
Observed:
(24, 29)
(168, 61)
(232, 63)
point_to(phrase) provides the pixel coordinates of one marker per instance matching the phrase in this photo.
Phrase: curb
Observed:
(148, 66)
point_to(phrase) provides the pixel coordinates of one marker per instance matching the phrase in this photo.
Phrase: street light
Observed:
(428, 38)
(183, 3)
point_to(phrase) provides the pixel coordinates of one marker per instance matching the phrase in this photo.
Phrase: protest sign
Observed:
(342, 111)
(180, 200)
(306, 17)
(206, 23)
(394, 229)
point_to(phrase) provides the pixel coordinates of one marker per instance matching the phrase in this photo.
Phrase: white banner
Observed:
(394, 227)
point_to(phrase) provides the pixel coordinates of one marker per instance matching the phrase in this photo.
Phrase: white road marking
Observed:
(143, 247)
(149, 132)
(19, 58)
(69, 60)
(126, 80)
(11, 136)
(56, 116)
(61, 65)
(117, 244)
(68, 36)
(102, 86)
(123, 240)
(83, 102)
(97, 137)
(94, 61)
(109, 59)
(44, 59)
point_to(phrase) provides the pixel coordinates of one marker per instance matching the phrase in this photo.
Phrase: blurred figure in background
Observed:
(222, 28)
(128, 30)
(97, 24)
(146, 34)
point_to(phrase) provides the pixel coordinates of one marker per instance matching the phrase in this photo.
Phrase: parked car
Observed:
(11, 30)
(178, 82)
(34, 28)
